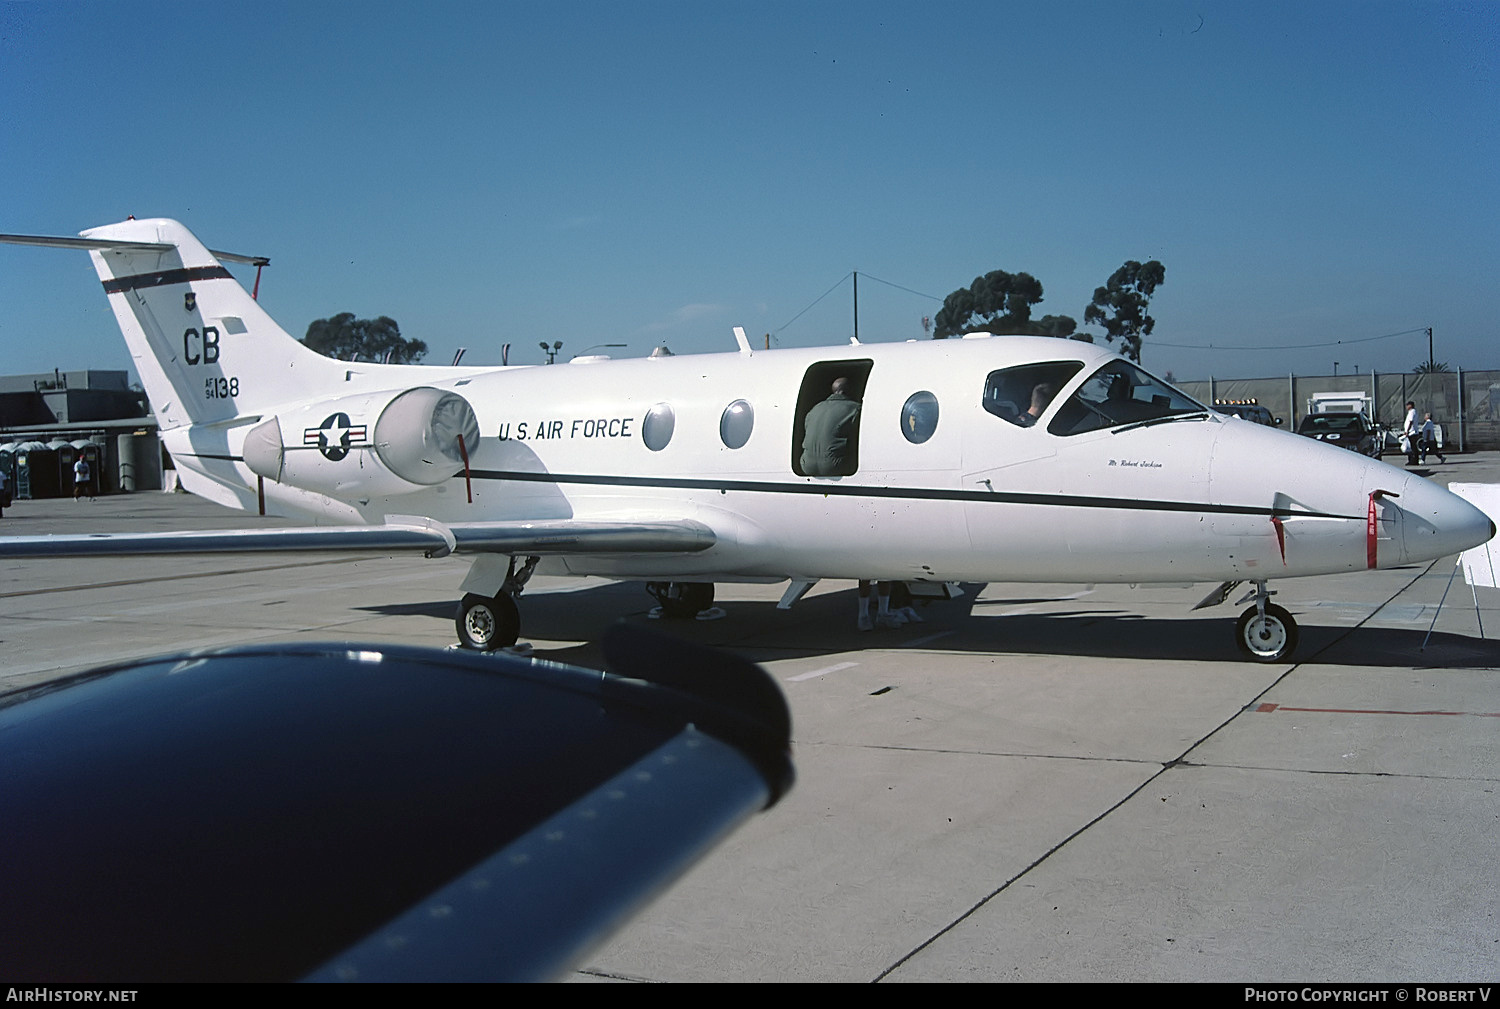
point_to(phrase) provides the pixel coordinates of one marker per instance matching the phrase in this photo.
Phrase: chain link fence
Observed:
(1465, 403)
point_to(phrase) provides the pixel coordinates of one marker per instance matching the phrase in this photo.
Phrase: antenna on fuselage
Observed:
(741, 339)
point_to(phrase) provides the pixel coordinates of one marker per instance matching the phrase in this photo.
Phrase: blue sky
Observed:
(659, 172)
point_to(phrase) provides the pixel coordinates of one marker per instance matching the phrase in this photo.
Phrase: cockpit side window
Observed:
(1021, 394)
(1119, 393)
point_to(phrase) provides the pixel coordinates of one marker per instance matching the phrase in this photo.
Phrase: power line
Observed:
(839, 284)
(1291, 346)
(819, 298)
(898, 287)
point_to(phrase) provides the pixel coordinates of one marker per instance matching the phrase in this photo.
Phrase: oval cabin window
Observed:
(656, 429)
(736, 424)
(919, 417)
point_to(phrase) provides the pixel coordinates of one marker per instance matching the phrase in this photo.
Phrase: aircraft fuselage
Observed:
(1178, 500)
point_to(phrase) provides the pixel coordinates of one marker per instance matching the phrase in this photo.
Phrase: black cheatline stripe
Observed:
(164, 277)
(911, 493)
(206, 455)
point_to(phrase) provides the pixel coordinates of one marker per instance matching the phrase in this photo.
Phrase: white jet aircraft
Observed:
(686, 470)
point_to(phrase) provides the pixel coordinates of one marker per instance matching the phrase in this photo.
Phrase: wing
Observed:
(336, 812)
(542, 538)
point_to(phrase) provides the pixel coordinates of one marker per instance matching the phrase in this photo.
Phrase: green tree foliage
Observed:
(998, 302)
(1120, 305)
(1431, 367)
(346, 338)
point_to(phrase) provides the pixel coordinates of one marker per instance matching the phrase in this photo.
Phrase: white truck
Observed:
(1342, 402)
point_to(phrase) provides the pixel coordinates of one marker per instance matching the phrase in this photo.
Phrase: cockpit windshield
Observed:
(1120, 393)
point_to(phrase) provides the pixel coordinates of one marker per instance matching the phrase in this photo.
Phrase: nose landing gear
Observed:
(1266, 632)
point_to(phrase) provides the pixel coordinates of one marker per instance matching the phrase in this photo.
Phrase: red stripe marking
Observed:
(1267, 708)
(1370, 535)
(468, 482)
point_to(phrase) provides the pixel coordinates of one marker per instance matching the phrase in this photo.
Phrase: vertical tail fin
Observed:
(204, 349)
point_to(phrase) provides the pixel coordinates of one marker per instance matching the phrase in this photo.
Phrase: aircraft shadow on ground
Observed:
(824, 624)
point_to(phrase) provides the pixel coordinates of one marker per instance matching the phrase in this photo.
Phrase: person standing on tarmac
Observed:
(1411, 433)
(1430, 440)
(81, 477)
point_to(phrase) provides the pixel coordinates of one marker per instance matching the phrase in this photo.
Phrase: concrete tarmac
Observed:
(1040, 782)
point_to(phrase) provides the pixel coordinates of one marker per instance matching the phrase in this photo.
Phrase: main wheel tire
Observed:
(682, 600)
(1268, 639)
(485, 623)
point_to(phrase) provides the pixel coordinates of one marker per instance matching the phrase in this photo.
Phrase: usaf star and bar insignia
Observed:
(335, 436)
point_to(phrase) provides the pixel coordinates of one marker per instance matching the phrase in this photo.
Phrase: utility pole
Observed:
(856, 307)
(1431, 364)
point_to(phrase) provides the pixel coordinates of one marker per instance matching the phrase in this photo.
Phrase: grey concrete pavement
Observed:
(1041, 782)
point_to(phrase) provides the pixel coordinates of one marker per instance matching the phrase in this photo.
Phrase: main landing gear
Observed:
(682, 600)
(1265, 632)
(485, 623)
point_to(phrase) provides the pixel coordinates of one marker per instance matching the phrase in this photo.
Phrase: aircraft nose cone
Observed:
(1437, 522)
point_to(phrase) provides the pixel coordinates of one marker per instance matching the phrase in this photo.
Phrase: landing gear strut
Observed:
(485, 623)
(682, 600)
(1266, 632)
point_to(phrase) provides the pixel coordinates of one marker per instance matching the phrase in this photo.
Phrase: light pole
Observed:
(551, 351)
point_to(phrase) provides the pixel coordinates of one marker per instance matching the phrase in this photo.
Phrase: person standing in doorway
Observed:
(830, 433)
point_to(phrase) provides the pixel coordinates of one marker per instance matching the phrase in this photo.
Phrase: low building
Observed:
(48, 420)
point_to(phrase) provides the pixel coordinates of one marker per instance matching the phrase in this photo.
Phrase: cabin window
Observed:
(825, 428)
(1022, 394)
(919, 417)
(736, 423)
(656, 429)
(1120, 393)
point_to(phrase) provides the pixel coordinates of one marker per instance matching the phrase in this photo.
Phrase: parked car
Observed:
(1250, 411)
(1346, 430)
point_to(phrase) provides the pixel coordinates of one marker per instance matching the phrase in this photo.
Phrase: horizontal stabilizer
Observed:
(543, 539)
(109, 245)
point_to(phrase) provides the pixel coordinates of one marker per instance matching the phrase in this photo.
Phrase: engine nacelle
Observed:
(366, 445)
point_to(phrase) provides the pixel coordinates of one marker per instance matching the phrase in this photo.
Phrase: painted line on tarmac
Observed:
(1268, 708)
(820, 672)
(182, 576)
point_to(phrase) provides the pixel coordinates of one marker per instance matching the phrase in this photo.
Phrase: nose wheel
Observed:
(1266, 632)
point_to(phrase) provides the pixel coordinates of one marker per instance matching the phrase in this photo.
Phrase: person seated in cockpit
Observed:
(1041, 397)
